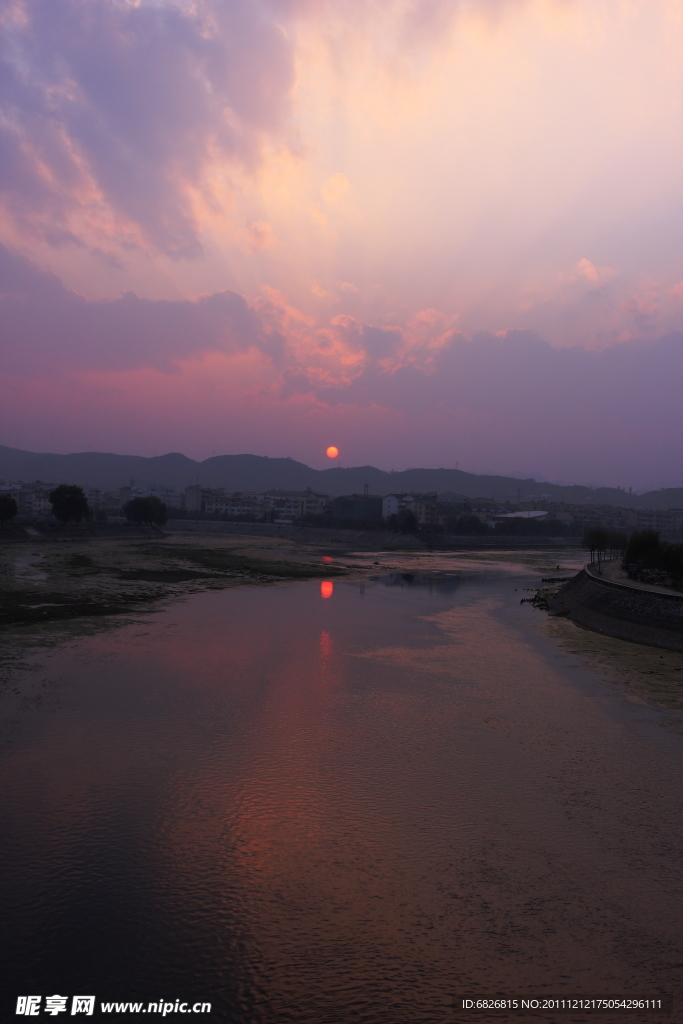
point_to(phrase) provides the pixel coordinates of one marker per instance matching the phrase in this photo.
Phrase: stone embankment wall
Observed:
(622, 610)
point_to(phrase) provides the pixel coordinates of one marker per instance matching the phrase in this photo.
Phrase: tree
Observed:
(646, 551)
(467, 525)
(407, 521)
(642, 547)
(595, 539)
(8, 508)
(601, 541)
(145, 510)
(540, 527)
(616, 543)
(403, 521)
(69, 502)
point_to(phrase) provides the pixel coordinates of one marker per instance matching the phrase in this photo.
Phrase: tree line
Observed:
(642, 551)
(645, 551)
(70, 505)
(603, 543)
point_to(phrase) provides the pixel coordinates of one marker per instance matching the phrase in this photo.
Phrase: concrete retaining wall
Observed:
(622, 610)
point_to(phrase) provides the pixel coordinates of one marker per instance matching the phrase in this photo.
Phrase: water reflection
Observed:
(325, 644)
(441, 584)
(320, 811)
(326, 588)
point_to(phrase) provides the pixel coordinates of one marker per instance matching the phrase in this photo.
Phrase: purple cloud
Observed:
(499, 402)
(129, 100)
(47, 327)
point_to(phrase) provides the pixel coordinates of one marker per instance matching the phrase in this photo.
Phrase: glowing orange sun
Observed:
(332, 452)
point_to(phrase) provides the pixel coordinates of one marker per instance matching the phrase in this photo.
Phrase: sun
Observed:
(332, 452)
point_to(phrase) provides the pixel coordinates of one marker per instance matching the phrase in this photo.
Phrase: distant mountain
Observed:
(259, 473)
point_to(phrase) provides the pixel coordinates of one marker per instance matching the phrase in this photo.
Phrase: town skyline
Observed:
(175, 473)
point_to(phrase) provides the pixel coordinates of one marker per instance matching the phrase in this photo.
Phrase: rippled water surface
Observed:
(337, 808)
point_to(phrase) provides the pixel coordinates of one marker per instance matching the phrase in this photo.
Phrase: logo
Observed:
(29, 1006)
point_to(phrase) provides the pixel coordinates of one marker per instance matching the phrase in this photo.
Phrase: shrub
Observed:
(533, 528)
(467, 526)
(647, 551)
(8, 508)
(639, 544)
(145, 510)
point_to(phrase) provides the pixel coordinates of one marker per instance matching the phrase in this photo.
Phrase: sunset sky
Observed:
(426, 231)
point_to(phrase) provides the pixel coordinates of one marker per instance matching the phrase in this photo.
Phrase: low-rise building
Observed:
(168, 495)
(668, 523)
(447, 511)
(358, 508)
(128, 493)
(278, 504)
(290, 505)
(393, 503)
(503, 516)
(12, 491)
(36, 502)
(581, 516)
(94, 496)
(425, 509)
(33, 499)
(237, 504)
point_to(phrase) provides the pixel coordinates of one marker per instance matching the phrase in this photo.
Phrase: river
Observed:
(321, 804)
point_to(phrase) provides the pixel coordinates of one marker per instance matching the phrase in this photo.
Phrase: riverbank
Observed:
(611, 604)
(65, 591)
(84, 574)
(96, 576)
(369, 540)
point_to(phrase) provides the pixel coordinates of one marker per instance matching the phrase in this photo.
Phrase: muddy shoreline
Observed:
(77, 578)
(82, 575)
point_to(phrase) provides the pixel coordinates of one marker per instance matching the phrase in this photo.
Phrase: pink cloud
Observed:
(258, 377)
(117, 107)
(442, 231)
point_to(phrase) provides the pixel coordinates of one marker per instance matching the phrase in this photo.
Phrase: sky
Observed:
(429, 232)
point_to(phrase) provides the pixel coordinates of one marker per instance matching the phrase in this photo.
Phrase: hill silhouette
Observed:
(260, 473)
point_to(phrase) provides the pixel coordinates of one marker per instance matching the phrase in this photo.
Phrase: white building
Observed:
(393, 503)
